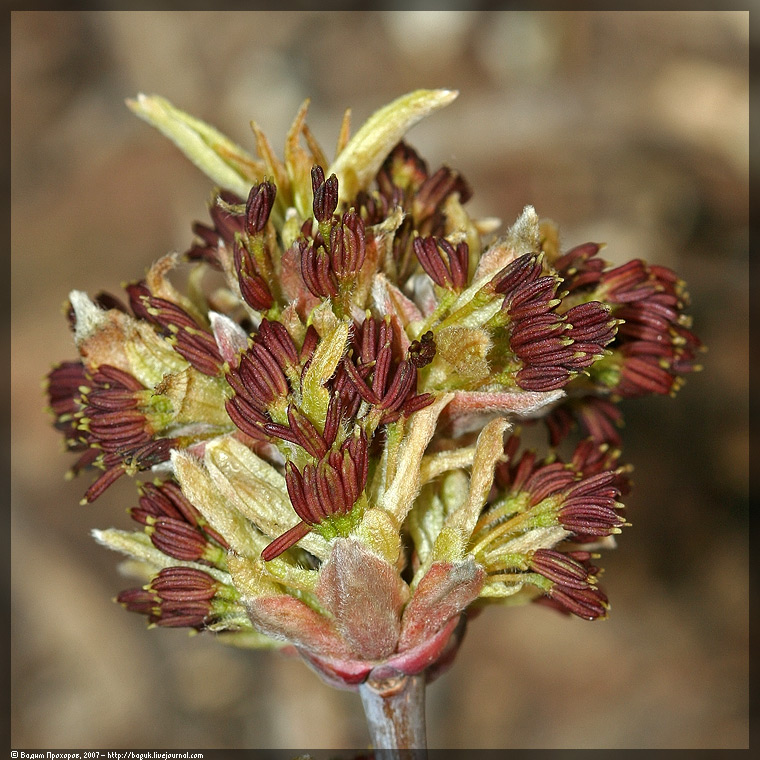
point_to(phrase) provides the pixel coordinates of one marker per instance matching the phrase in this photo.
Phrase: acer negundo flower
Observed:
(325, 430)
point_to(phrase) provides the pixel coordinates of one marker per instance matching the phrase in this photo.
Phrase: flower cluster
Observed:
(323, 413)
(574, 502)
(655, 347)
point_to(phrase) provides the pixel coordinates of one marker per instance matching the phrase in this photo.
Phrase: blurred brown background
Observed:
(629, 128)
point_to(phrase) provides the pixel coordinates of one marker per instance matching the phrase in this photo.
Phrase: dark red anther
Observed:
(547, 480)
(290, 538)
(522, 271)
(65, 397)
(225, 226)
(591, 323)
(253, 287)
(278, 342)
(447, 266)
(305, 434)
(174, 525)
(316, 270)
(587, 603)
(137, 600)
(403, 169)
(177, 539)
(259, 205)
(177, 597)
(310, 341)
(640, 375)
(576, 257)
(347, 246)
(184, 584)
(421, 352)
(437, 188)
(531, 298)
(628, 282)
(101, 414)
(325, 194)
(560, 568)
(543, 378)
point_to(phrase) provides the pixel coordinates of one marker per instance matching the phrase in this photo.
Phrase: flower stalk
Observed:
(395, 710)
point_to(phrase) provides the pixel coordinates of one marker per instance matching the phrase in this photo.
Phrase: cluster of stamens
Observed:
(580, 497)
(107, 414)
(178, 597)
(268, 381)
(334, 254)
(176, 527)
(654, 346)
(550, 347)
